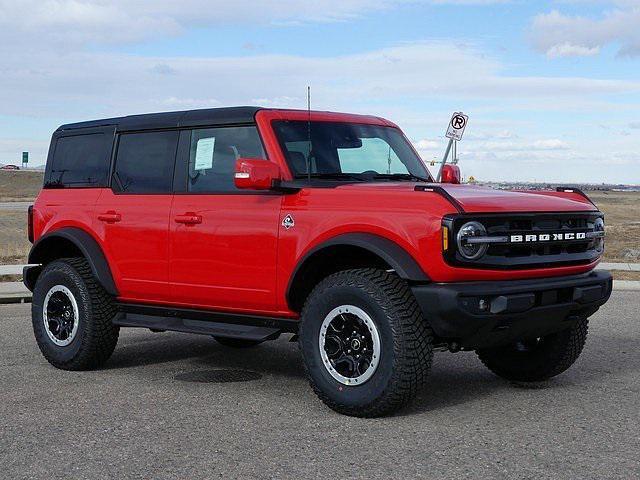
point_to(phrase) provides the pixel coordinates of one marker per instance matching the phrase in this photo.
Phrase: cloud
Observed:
(634, 125)
(87, 84)
(468, 2)
(523, 145)
(559, 35)
(550, 144)
(11, 150)
(425, 144)
(568, 50)
(74, 22)
(488, 135)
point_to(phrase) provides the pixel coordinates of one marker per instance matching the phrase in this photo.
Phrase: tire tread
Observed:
(101, 335)
(566, 348)
(413, 339)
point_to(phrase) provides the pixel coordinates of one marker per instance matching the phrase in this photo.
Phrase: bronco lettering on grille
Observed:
(548, 237)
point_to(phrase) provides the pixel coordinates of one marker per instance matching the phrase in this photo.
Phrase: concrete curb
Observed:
(626, 285)
(14, 292)
(11, 269)
(620, 267)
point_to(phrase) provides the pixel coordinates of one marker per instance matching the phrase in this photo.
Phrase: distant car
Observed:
(10, 167)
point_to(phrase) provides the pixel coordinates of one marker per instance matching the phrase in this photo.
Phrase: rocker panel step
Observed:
(203, 322)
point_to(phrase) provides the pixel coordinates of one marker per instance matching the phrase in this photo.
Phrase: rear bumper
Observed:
(485, 314)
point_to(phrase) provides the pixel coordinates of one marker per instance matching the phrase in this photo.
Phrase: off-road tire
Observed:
(96, 336)
(405, 337)
(552, 356)
(237, 342)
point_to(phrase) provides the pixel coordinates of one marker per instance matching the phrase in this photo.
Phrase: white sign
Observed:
(204, 153)
(457, 125)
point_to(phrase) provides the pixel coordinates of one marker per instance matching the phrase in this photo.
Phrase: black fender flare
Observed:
(85, 243)
(393, 254)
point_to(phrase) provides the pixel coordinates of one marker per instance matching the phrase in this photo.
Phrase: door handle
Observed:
(110, 217)
(189, 219)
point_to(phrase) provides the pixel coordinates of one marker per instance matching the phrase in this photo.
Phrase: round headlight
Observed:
(471, 251)
(598, 226)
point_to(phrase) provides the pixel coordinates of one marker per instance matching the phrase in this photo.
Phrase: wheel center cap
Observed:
(355, 344)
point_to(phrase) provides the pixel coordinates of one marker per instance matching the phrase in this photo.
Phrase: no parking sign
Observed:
(457, 125)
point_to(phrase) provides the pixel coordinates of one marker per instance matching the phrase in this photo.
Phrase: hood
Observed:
(475, 199)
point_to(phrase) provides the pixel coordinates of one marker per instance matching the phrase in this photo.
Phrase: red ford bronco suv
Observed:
(247, 223)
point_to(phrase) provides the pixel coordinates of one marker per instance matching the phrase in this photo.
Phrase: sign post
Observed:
(25, 159)
(456, 127)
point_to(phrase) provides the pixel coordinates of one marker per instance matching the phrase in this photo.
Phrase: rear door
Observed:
(133, 216)
(223, 240)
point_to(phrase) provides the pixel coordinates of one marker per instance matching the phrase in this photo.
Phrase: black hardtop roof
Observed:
(186, 118)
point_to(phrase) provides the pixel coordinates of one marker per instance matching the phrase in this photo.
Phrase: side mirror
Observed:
(450, 174)
(255, 174)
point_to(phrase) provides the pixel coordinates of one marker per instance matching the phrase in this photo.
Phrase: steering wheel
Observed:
(369, 173)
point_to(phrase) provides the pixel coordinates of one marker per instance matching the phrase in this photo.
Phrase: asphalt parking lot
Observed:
(158, 410)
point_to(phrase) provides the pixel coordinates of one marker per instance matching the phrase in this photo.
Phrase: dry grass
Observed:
(19, 185)
(16, 186)
(626, 275)
(10, 278)
(622, 217)
(14, 245)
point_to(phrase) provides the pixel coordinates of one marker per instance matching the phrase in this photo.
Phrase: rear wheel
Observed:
(72, 316)
(366, 348)
(537, 359)
(237, 342)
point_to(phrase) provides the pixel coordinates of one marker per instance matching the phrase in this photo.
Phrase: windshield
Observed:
(348, 151)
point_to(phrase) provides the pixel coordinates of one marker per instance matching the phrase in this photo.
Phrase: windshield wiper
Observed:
(401, 176)
(333, 176)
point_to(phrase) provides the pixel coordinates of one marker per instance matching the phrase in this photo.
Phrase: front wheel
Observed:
(537, 359)
(366, 348)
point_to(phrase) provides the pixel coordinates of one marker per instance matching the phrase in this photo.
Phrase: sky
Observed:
(552, 88)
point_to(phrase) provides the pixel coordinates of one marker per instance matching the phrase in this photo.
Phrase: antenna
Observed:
(309, 133)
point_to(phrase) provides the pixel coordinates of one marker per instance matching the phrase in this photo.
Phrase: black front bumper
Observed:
(484, 314)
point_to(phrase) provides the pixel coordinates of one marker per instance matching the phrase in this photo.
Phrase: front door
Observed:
(223, 241)
(132, 217)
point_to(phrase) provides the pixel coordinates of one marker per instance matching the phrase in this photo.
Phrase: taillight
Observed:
(30, 223)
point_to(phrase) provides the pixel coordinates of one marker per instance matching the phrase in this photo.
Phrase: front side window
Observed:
(347, 150)
(81, 161)
(213, 154)
(145, 162)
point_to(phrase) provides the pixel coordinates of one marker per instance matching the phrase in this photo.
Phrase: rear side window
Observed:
(145, 162)
(213, 154)
(81, 161)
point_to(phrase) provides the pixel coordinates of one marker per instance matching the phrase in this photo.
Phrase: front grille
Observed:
(528, 254)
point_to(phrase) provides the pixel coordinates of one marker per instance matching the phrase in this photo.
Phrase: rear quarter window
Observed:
(80, 161)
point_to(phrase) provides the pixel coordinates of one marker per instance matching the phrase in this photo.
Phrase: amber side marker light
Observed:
(445, 238)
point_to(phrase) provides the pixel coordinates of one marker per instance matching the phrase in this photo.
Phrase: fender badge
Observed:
(288, 222)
